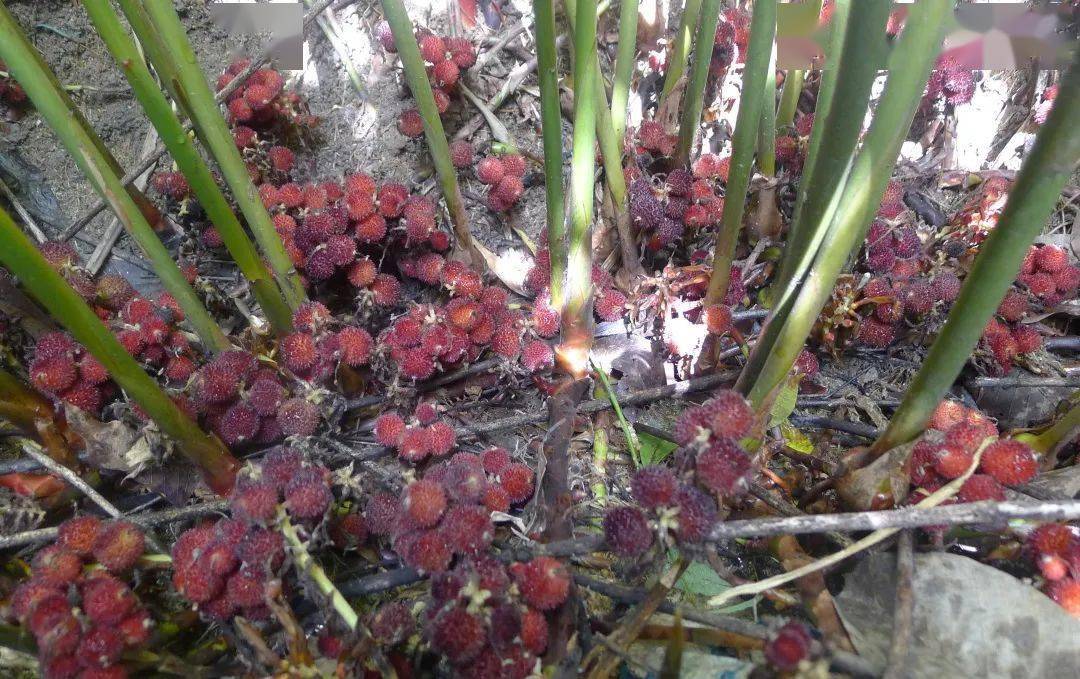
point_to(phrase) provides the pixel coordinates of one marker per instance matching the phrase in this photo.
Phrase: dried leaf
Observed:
(109, 445)
(879, 485)
(18, 513)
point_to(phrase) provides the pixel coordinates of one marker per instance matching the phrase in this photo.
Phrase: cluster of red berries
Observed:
(1054, 549)
(951, 82)
(503, 175)
(791, 148)
(488, 620)
(712, 432)
(150, 332)
(261, 102)
(245, 402)
(320, 344)
(1005, 342)
(86, 639)
(947, 450)
(789, 646)
(172, 186)
(224, 567)
(609, 303)
(423, 436)
(11, 93)
(652, 138)
(1048, 274)
(978, 216)
(62, 368)
(446, 57)
(64, 258)
(684, 200)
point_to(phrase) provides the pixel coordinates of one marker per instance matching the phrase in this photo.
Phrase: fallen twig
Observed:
(904, 610)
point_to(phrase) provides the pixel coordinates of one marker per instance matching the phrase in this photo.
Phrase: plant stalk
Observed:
(694, 97)
(86, 149)
(551, 129)
(416, 77)
(789, 98)
(759, 53)
(306, 564)
(767, 129)
(680, 49)
(109, 28)
(1031, 201)
(162, 35)
(624, 66)
(50, 289)
(910, 65)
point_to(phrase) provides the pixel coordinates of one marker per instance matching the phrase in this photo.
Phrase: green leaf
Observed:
(795, 439)
(784, 404)
(654, 449)
(699, 579)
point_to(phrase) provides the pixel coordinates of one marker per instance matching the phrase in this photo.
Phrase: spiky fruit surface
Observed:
(723, 467)
(980, 487)
(696, 514)
(490, 170)
(653, 487)
(119, 545)
(1009, 461)
(56, 565)
(107, 601)
(517, 480)
(627, 531)
(424, 502)
(393, 623)
(544, 582)
(254, 502)
(389, 428)
(78, 534)
(458, 634)
(308, 495)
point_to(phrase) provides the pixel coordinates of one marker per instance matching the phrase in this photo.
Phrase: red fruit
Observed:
(458, 635)
(62, 667)
(517, 480)
(432, 48)
(981, 487)
(1013, 307)
(385, 36)
(537, 355)
(119, 546)
(496, 499)
(415, 444)
(468, 529)
(1027, 339)
(361, 273)
(429, 552)
(534, 631)
(389, 428)
(56, 565)
(385, 290)
(1051, 259)
(258, 96)
(464, 483)
(54, 344)
(298, 417)
(246, 589)
(393, 623)
(462, 52)
(441, 438)
(731, 414)
(77, 534)
(135, 629)
(461, 153)
(696, 514)
(968, 435)
(380, 513)
(29, 594)
(544, 582)
(946, 286)
(495, 460)
(490, 170)
(445, 73)
(1067, 595)
(100, 647)
(298, 351)
(308, 494)
(410, 123)
(806, 364)
(1010, 462)
(1067, 280)
(718, 319)
(107, 601)
(919, 298)
(953, 461)
(254, 502)
(442, 100)
(789, 647)
(424, 502)
(349, 531)
(281, 158)
(265, 396)
(876, 334)
(611, 305)
(627, 531)
(723, 467)
(53, 374)
(238, 425)
(355, 344)
(949, 413)
(514, 164)
(653, 486)
(1041, 284)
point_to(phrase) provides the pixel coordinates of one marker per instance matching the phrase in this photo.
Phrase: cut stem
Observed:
(680, 49)
(551, 128)
(759, 53)
(87, 149)
(416, 77)
(50, 289)
(694, 97)
(1031, 200)
(624, 66)
(202, 182)
(162, 35)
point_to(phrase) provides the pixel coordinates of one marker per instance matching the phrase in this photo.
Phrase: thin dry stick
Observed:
(904, 610)
(24, 215)
(941, 495)
(221, 96)
(32, 449)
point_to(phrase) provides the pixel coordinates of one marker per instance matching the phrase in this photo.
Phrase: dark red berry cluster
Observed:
(682, 201)
(423, 436)
(84, 620)
(261, 102)
(224, 566)
(712, 432)
(503, 174)
(11, 93)
(791, 148)
(321, 343)
(609, 303)
(947, 450)
(1054, 549)
(150, 332)
(1048, 274)
(950, 82)
(446, 58)
(62, 368)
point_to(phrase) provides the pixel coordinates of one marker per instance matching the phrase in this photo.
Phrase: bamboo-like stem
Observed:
(109, 28)
(624, 66)
(789, 98)
(759, 52)
(34, 415)
(166, 43)
(694, 96)
(50, 289)
(577, 305)
(767, 128)
(910, 65)
(1031, 201)
(632, 441)
(856, 56)
(305, 563)
(85, 148)
(416, 77)
(680, 48)
(551, 129)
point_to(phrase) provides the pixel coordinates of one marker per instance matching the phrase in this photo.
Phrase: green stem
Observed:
(628, 431)
(680, 49)
(551, 128)
(789, 98)
(624, 66)
(767, 128)
(162, 35)
(759, 52)
(600, 460)
(1057, 434)
(909, 67)
(50, 289)
(577, 309)
(416, 77)
(694, 97)
(199, 177)
(86, 149)
(856, 55)
(1031, 201)
(305, 563)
